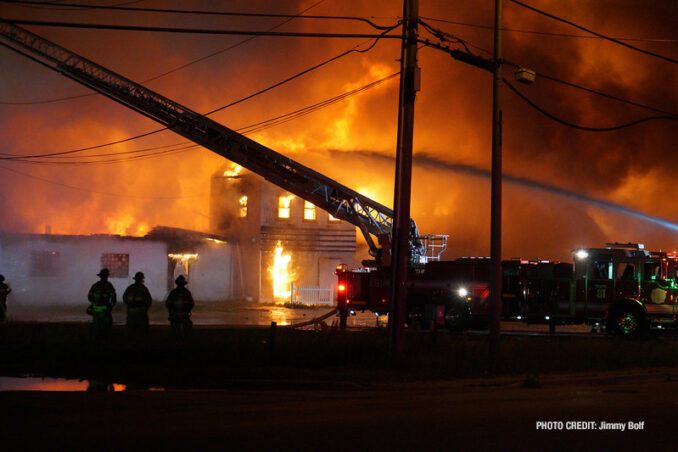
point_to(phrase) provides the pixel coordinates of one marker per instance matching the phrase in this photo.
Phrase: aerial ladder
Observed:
(371, 217)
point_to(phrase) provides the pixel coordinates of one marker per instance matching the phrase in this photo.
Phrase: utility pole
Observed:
(400, 250)
(496, 273)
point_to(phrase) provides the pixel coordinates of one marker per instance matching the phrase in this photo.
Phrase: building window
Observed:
(242, 202)
(309, 211)
(117, 264)
(333, 219)
(44, 263)
(284, 203)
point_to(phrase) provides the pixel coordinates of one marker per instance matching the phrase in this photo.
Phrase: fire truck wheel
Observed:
(627, 323)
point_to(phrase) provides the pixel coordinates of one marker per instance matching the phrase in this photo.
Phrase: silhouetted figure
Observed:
(102, 298)
(179, 304)
(4, 291)
(137, 298)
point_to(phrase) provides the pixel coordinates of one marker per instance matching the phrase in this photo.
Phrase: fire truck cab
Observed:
(622, 287)
(625, 286)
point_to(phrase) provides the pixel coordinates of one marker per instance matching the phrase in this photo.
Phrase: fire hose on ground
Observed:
(316, 320)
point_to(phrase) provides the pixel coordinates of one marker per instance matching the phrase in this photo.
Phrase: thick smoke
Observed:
(632, 168)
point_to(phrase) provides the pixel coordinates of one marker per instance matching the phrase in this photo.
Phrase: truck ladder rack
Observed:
(341, 202)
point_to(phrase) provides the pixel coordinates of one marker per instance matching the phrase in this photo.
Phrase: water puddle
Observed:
(62, 384)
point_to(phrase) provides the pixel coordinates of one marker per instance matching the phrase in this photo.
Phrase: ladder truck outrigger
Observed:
(622, 286)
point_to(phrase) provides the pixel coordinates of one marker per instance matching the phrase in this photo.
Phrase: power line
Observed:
(55, 5)
(444, 36)
(117, 195)
(176, 69)
(545, 33)
(487, 65)
(256, 127)
(579, 127)
(271, 122)
(203, 31)
(317, 66)
(237, 44)
(602, 94)
(89, 148)
(110, 161)
(205, 13)
(310, 109)
(5, 156)
(299, 74)
(616, 41)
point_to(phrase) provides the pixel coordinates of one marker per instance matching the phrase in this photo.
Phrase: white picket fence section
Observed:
(312, 295)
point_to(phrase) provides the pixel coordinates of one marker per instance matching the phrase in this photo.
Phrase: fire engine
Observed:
(624, 286)
(621, 287)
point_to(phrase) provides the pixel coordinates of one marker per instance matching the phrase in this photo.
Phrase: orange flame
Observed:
(281, 273)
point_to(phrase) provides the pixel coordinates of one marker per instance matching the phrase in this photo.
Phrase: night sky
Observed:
(560, 182)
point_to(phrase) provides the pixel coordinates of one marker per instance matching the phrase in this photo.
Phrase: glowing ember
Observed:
(242, 213)
(127, 225)
(184, 259)
(234, 171)
(281, 274)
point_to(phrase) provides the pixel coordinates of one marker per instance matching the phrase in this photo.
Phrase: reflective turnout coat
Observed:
(102, 298)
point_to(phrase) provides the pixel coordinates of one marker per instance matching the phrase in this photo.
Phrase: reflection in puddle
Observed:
(103, 386)
(56, 384)
(279, 316)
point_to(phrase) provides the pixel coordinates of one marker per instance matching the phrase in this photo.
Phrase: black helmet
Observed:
(139, 276)
(180, 281)
(103, 273)
(2, 278)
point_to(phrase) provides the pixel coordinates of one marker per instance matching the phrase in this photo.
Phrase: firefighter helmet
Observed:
(139, 276)
(180, 281)
(2, 278)
(103, 273)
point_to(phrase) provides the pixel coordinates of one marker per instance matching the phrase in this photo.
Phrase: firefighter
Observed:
(179, 304)
(4, 291)
(102, 298)
(137, 298)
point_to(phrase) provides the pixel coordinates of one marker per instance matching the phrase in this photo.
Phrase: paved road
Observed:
(223, 314)
(462, 415)
(203, 314)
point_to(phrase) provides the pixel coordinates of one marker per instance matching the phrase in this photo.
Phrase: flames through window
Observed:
(284, 203)
(309, 211)
(242, 204)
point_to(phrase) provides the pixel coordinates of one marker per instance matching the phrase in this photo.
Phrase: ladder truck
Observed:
(449, 293)
(372, 218)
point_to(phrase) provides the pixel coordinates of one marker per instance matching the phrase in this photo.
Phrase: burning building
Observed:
(49, 269)
(282, 240)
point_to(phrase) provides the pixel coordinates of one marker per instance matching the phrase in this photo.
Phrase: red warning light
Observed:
(341, 287)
